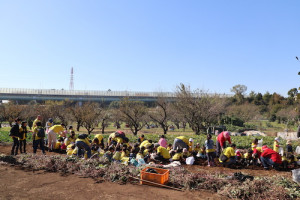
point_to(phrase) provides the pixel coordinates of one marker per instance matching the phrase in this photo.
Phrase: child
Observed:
(71, 139)
(289, 147)
(124, 152)
(140, 155)
(239, 156)
(248, 158)
(109, 154)
(185, 153)
(169, 148)
(95, 149)
(71, 129)
(70, 150)
(178, 156)
(15, 133)
(254, 144)
(202, 152)
(210, 151)
(23, 137)
(191, 145)
(141, 139)
(256, 156)
(276, 145)
(117, 154)
(58, 144)
(197, 147)
(133, 153)
(38, 137)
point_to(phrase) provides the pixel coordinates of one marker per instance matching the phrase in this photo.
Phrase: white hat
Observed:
(191, 140)
(277, 139)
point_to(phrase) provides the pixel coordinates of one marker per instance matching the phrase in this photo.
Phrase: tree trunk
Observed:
(177, 125)
(184, 126)
(165, 131)
(78, 126)
(103, 127)
(135, 130)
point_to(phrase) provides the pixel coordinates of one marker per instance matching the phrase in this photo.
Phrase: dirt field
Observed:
(19, 184)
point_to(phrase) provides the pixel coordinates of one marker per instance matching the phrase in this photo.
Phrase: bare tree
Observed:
(91, 116)
(77, 115)
(11, 112)
(2, 114)
(198, 108)
(212, 107)
(104, 118)
(176, 116)
(134, 113)
(160, 114)
(116, 117)
(188, 104)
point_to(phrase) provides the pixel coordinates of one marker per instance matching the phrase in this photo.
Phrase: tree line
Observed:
(196, 109)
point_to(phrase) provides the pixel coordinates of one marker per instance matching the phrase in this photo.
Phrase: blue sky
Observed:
(150, 45)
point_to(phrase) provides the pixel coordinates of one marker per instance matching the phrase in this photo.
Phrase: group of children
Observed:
(118, 148)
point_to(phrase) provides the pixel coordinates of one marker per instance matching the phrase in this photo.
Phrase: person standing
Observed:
(38, 137)
(38, 119)
(23, 136)
(15, 134)
(49, 124)
(210, 151)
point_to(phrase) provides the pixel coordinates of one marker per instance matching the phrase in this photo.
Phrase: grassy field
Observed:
(242, 142)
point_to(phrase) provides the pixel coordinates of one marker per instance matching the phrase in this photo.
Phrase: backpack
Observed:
(41, 133)
(14, 131)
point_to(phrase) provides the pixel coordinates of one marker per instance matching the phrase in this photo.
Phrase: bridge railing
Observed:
(23, 91)
(83, 92)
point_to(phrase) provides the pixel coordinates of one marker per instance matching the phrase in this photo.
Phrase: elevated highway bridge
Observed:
(18, 94)
(79, 95)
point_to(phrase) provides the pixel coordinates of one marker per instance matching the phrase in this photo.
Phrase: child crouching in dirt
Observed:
(228, 157)
(178, 156)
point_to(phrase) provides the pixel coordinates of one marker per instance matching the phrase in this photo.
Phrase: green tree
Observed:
(239, 92)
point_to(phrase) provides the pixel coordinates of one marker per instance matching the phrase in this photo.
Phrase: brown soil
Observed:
(20, 184)
(201, 165)
(250, 170)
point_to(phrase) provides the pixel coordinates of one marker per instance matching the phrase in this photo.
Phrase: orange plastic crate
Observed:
(162, 177)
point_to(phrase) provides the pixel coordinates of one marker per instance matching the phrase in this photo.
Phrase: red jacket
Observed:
(255, 151)
(273, 155)
(221, 139)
